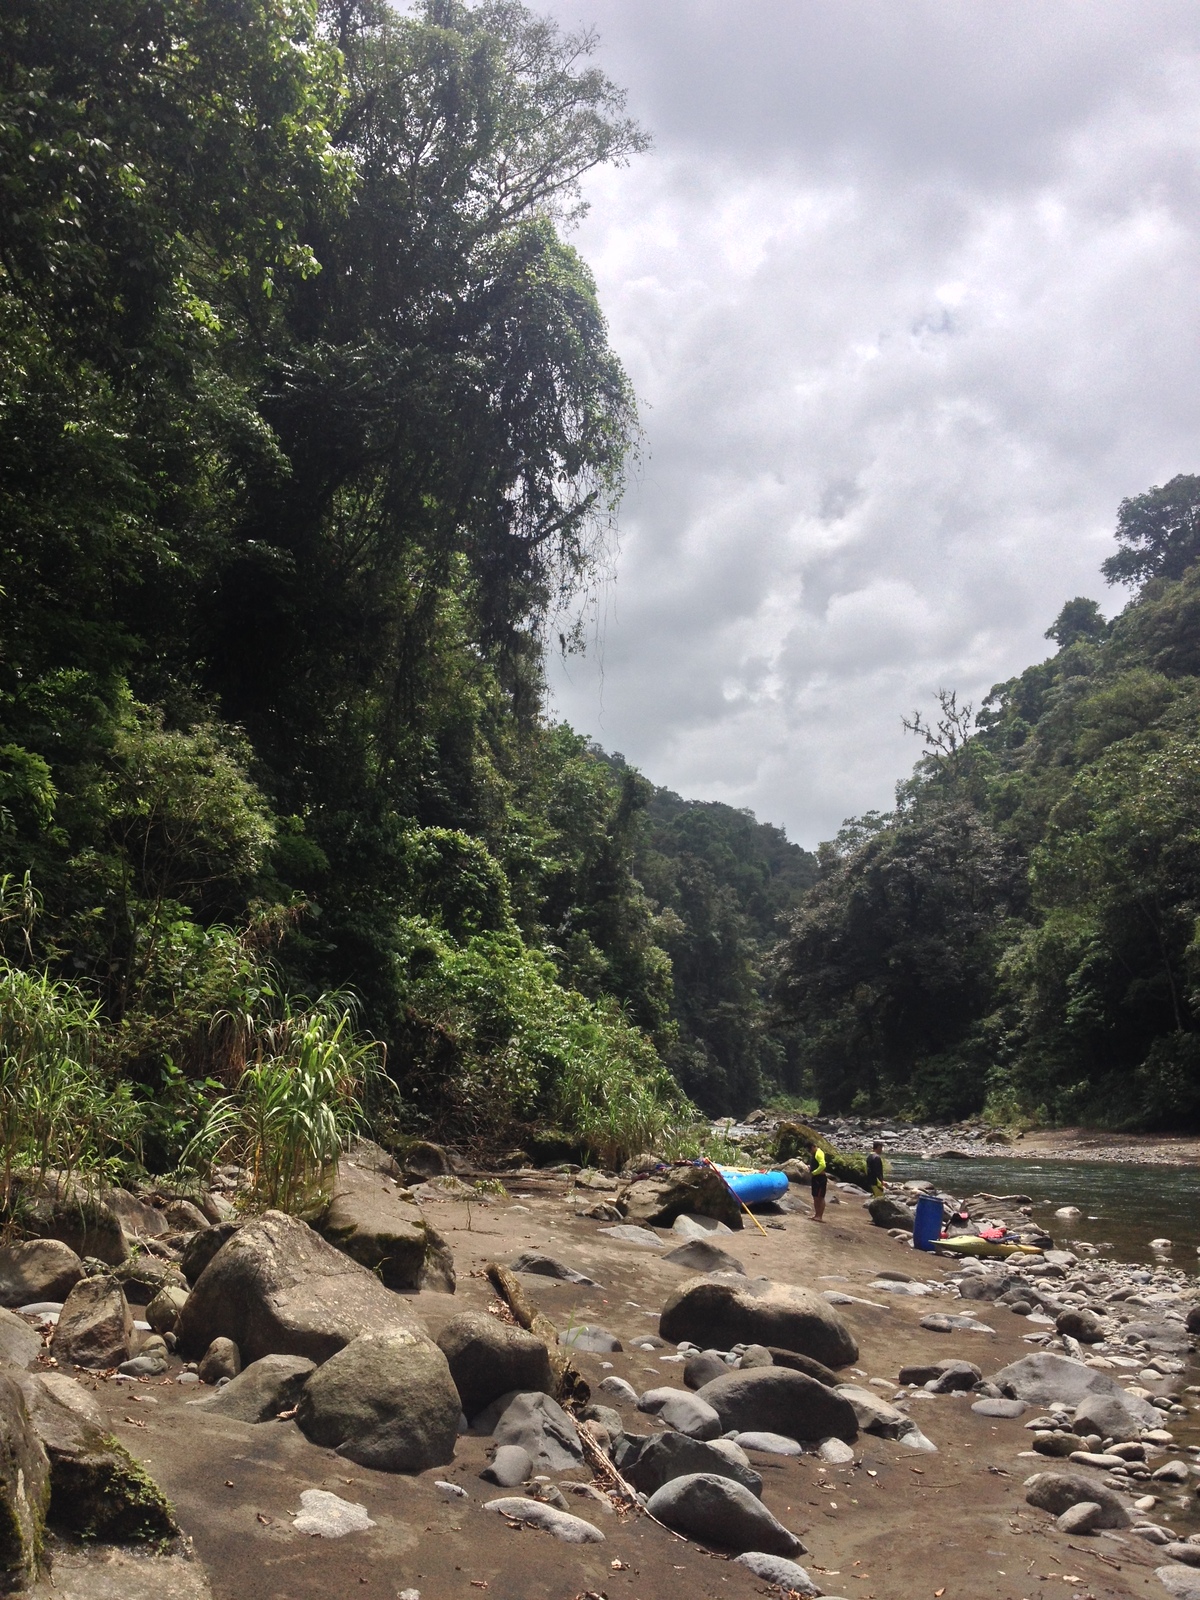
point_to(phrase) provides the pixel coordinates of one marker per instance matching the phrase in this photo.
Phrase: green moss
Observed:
(798, 1139)
(101, 1492)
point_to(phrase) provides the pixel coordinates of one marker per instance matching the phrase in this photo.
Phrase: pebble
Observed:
(775, 1444)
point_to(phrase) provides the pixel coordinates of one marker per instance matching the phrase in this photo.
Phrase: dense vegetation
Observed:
(1021, 933)
(310, 439)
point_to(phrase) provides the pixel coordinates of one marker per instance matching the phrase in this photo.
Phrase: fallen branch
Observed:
(569, 1383)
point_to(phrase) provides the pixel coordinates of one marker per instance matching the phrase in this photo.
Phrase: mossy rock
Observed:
(798, 1139)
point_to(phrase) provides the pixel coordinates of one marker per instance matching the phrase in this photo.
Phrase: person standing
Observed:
(820, 1183)
(875, 1169)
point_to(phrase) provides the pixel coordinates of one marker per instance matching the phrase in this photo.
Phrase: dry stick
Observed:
(736, 1196)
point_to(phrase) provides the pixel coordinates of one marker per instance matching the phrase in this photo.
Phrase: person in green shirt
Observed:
(820, 1183)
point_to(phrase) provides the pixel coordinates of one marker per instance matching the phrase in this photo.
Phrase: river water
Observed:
(1124, 1205)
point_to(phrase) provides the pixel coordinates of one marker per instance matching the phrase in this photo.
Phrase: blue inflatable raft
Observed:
(754, 1188)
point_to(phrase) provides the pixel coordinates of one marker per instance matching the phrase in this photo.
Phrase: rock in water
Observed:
(277, 1288)
(774, 1400)
(24, 1489)
(571, 1530)
(1057, 1492)
(686, 1413)
(665, 1456)
(260, 1391)
(37, 1269)
(329, 1516)
(386, 1400)
(97, 1489)
(488, 1358)
(778, 1571)
(721, 1311)
(380, 1225)
(658, 1200)
(539, 1425)
(717, 1511)
(701, 1255)
(19, 1344)
(95, 1326)
(1044, 1378)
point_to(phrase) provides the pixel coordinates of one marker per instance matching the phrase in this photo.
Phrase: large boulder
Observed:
(260, 1391)
(137, 1217)
(24, 1490)
(658, 1199)
(1118, 1416)
(716, 1511)
(202, 1246)
(673, 1455)
(701, 1255)
(386, 1400)
(1057, 1492)
(377, 1222)
(888, 1212)
(1193, 1319)
(1045, 1377)
(58, 1207)
(19, 1344)
(277, 1288)
(775, 1400)
(95, 1326)
(97, 1488)
(722, 1310)
(539, 1425)
(488, 1358)
(37, 1269)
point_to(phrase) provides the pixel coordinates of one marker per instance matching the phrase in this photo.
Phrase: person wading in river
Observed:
(875, 1168)
(820, 1183)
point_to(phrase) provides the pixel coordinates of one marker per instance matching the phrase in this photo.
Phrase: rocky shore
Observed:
(577, 1384)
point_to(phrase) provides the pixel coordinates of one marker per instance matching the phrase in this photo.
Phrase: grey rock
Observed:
(619, 1389)
(277, 1288)
(202, 1247)
(1057, 1492)
(379, 1224)
(95, 1327)
(754, 1355)
(939, 1322)
(184, 1217)
(510, 1467)
(717, 1511)
(70, 1393)
(775, 1400)
(778, 1571)
(982, 1286)
(150, 1362)
(686, 1413)
(772, 1444)
(1180, 1550)
(1044, 1377)
(539, 1425)
(590, 1339)
(1076, 1322)
(488, 1358)
(571, 1530)
(688, 1226)
(97, 1489)
(999, 1408)
(165, 1309)
(1085, 1516)
(874, 1413)
(955, 1375)
(549, 1267)
(37, 1269)
(914, 1439)
(59, 1207)
(675, 1455)
(1180, 1581)
(24, 1489)
(699, 1191)
(1193, 1319)
(836, 1452)
(144, 1276)
(700, 1255)
(262, 1390)
(795, 1362)
(888, 1212)
(703, 1368)
(720, 1311)
(328, 1516)
(222, 1359)
(1113, 1416)
(630, 1233)
(920, 1375)
(386, 1400)
(136, 1216)
(19, 1344)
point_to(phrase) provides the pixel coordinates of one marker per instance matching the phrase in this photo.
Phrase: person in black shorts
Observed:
(819, 1183)
(875, 1168)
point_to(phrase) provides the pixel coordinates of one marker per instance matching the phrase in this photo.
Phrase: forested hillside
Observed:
(310, 440)
(1021, 933)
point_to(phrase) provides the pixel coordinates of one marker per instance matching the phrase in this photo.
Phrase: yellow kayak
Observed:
(967, 1244)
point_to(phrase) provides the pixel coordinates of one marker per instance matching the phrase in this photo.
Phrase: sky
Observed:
(909, 291)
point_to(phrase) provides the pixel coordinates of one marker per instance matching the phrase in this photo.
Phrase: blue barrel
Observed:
(927, 1223)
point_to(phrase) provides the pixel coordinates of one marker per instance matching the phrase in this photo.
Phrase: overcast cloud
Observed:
(910, 292)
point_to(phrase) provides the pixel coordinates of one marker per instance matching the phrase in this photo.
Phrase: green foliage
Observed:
(794, 1139)
(1160, 532)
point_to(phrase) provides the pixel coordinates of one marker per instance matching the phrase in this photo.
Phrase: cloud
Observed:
(909, 292)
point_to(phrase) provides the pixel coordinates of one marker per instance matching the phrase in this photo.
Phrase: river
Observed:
(1124, 1205)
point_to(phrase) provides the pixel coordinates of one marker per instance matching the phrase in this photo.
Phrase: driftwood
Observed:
(569, 1384)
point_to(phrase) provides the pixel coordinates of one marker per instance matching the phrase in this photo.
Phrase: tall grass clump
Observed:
(300, 1099)
(59, 1109)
